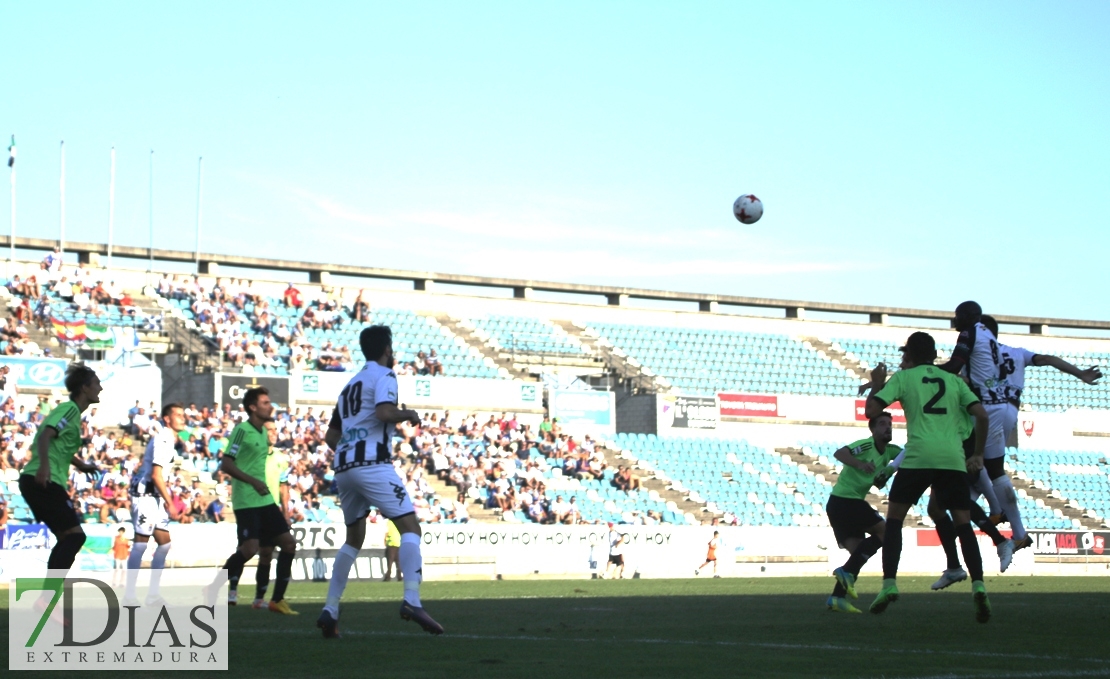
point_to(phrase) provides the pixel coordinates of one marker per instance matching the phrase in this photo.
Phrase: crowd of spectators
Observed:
(251, 333)
(59, 289)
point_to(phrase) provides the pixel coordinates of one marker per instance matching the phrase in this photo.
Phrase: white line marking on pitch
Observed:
(739, 644)
(1021, 675)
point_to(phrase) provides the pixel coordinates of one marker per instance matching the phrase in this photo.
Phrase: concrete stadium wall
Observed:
(490, 550)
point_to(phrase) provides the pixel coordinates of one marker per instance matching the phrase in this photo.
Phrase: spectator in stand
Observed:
(215, 510)
(53, 261)
(435, 367)
(292, 297)
(625, 480)
(360, 310)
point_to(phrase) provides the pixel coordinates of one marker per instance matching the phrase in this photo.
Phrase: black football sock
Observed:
(284, 573)
(970, 547)
(892, 549)
(65, 552)
(864, 551)
(234, 566)
(946, 531)
(983, 521)
(262, 580)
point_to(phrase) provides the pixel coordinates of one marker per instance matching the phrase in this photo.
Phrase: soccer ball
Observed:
(747, 209)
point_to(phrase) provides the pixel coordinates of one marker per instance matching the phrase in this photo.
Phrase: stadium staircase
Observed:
(621, 365)
(838, 357)
(1070, 510)
(473, 340)
(474, 508)
(653, 481)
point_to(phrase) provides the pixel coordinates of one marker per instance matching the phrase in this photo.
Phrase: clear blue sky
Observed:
(910, 154)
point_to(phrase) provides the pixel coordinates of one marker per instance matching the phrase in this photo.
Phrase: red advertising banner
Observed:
(749, 405)
(896, 413)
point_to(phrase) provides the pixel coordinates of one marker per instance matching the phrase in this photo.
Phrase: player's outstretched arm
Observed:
(1090, 376)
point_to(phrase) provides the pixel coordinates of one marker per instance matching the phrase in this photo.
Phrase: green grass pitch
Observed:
(1042, 627)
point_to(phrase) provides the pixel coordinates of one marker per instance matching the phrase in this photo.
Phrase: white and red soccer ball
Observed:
(747, 209)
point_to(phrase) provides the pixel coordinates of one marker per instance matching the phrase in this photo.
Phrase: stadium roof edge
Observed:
(422, 280)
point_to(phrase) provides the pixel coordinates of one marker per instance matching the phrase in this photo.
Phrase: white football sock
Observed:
(1006, 496)
(985, 487)
(412, 567)
(340, 570)
(134, 563)
(157, 565)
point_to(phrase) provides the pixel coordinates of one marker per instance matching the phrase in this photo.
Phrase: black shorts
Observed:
(264, 524)
(949, 487)
(51, 505)
(996, 467)
(616, 559)
(850, 518)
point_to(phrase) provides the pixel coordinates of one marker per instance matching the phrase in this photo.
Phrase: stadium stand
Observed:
(698, 361)
(465, 469)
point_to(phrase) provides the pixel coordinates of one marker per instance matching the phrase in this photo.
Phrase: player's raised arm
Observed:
(875, 405)
(1089, 376)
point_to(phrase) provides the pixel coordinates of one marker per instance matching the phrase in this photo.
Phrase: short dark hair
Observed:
(251, 397)
(374, 340)
(78, 376)
(991, 324)
(871, 422)
(169, 407)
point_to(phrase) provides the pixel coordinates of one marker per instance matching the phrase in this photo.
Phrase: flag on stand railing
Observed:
(99, 337)
(69, 331)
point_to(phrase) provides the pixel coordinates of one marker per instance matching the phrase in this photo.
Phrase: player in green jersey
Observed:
(277, 480)
(934, 402)
(858, 527)
(257, 515)
(45, 478)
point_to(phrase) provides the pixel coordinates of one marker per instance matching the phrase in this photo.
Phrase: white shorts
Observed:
(1003, 419)
(375, 485)
(148, 514)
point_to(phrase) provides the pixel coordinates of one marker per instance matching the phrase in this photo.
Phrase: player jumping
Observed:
(858, 527)
(361, 433)
(934, 401)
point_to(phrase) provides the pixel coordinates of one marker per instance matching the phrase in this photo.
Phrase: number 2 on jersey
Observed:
(931, 405)
(350, 399)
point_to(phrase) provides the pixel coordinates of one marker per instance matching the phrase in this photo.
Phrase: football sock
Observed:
(261, 579)
(1006, 496)
(970, 547)
(63, 554)
(234, 566)
(864, 551)
(412, 567)
(134, 563)
(340, 570)
(985, 487)
(284, 573)
(980, 519)
(157, 565)
(892, 549)
(946, 531)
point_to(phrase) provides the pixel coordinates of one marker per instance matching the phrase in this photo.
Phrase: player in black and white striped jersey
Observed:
(361, 432)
